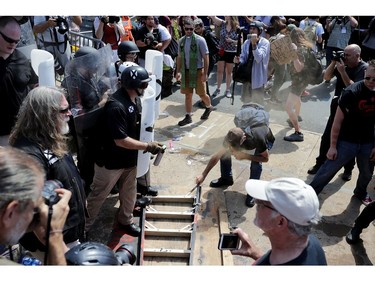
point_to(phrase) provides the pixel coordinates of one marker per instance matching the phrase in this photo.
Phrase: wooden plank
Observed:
(177, 253)
(168, 215)
(172, 199)
(168, 232)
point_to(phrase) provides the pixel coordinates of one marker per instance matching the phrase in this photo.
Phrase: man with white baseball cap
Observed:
(287, 208)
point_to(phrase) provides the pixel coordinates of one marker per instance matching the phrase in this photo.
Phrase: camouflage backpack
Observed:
(310, 31)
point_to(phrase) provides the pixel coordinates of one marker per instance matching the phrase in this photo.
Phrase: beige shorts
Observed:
(200, 88)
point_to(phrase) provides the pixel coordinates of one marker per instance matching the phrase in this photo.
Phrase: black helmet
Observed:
(91, 253)
(258, 25)
(126, 47)
(135, 77)
(86, 50)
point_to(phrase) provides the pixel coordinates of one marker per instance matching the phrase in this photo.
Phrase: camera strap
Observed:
(48, 230)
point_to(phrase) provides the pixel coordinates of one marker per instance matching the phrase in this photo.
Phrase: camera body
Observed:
(49, 194)
(337, 55)
(109, 19)
(339, 20)
(62, 25)
(150, 40)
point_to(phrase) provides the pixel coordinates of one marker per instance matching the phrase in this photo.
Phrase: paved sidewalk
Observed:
(192, 146)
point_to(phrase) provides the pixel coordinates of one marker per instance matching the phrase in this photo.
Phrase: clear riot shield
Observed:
(88, 81)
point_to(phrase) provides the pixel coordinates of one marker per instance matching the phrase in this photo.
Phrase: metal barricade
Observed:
(84, 38)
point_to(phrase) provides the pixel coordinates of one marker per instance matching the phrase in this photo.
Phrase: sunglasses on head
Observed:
(9, 40)
(372, 79)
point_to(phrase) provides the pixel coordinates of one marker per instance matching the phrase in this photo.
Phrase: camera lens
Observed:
(49, 194)
(125, 254)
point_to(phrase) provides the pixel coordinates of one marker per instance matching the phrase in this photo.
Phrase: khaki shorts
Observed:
(200, 88)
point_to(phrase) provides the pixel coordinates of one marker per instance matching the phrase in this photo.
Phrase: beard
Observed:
(64, 128)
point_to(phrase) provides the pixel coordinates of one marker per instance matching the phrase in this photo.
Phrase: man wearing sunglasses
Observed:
(122, 121)
(352, 135)
(192, 70)
(17, 77)
(348, 68)
(287, 209)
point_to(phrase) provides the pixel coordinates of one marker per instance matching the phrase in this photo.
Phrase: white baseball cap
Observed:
(291, 197)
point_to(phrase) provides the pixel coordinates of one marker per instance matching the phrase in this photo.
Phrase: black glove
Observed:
(154, 147)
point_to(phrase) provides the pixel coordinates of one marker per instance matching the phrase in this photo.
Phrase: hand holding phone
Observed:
(229, 241)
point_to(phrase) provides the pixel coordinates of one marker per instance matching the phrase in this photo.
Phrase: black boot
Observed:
(146, 190)
(353, 236)
(250, 201)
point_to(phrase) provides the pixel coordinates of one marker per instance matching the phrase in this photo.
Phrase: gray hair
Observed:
(19, 174)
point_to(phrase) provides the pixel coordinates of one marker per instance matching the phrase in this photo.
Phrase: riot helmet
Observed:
(126, 47)
(135, 77)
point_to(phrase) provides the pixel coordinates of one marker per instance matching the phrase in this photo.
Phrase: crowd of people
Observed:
(44, 127)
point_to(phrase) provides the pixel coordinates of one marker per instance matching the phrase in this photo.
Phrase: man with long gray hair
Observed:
(41, 130)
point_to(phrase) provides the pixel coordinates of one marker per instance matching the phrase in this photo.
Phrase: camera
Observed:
(229, 241)
(337, 55)
(104, 19)
(150, 40)
(125, 254)
(339, 20)
(49, 194)
(113, 19)
(62, 25)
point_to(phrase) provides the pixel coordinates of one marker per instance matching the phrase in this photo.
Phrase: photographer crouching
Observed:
(22, 207)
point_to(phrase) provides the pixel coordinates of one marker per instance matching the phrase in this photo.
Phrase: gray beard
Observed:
(64, 130)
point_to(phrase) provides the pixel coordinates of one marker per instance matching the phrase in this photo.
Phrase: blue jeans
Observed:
(255, 167)
(346, 151)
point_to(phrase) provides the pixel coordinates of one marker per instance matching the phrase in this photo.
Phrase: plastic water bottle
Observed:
(27, 260)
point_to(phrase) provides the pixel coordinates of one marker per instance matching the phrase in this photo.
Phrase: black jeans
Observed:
(366, 216)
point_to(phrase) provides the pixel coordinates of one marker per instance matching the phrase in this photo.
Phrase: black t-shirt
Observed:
(259, 139)
(123, 119)
(357, 103)
(16, 74)
(141, 35)
(355, 74)
(313, 254)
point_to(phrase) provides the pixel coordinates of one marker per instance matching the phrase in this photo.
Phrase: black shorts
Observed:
(228, 57)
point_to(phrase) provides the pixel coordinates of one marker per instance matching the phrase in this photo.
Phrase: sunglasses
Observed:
(372, 79)
(65, 110)
(262, 204)
(9, 40)
(189, 29)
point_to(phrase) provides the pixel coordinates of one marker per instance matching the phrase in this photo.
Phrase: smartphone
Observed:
(229, 241)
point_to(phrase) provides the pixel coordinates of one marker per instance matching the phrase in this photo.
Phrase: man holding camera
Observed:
(109, 29)
(22, 208)
(52, 36)
(151, 36)
(348, 68)
(40, 131)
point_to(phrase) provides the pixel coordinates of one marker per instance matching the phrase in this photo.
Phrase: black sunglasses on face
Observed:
(189, 29)
(9, 40)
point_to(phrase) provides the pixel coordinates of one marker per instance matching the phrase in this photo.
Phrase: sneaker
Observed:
(296, 136)
(131, 229)
(228, 94)
(250, 201)
(217, 91)
(221, 182)
(185, 121)
(207, 113)
(367, 200)
(346, 176)
(313, 170)
(353, 236)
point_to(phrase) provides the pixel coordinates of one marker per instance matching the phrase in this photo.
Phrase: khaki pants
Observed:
(103, 182)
